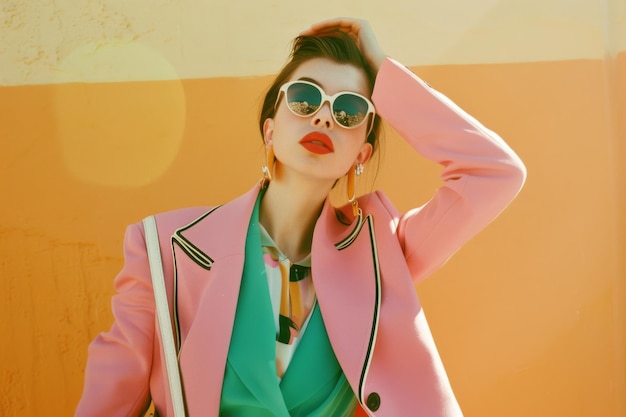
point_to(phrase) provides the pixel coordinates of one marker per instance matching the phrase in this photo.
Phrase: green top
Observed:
(313, 385)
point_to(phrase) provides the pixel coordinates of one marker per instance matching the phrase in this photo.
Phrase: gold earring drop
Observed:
(354, 171)
(268, 168)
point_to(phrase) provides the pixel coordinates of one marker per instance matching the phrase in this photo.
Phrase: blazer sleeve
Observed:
(481, 174)
(119, 361)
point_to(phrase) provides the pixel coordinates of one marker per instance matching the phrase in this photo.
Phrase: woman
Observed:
(285, 305)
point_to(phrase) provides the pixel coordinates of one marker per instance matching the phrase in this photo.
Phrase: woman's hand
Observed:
(359, 29)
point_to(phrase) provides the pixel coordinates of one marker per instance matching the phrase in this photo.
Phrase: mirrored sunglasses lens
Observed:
(350, 110)
(303, 99)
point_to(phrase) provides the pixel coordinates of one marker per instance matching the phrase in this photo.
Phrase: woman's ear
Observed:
(268, 131)
(365, 153)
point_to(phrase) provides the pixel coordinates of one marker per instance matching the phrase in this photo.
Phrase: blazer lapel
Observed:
(346, 276)
(208, 262)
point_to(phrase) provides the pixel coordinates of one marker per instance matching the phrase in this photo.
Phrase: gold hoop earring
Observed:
(268, 168)
(357, 169)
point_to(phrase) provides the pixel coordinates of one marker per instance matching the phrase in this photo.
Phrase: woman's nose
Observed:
(324, 117)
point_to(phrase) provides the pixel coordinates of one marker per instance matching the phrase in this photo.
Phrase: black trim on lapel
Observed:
(343, 244)
(193, 252)
(175, 306)
(347, 241)
(189, 248)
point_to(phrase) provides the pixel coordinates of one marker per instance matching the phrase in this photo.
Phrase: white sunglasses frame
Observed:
(371, 110)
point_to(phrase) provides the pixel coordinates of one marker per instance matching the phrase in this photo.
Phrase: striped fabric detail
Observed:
(293, 297)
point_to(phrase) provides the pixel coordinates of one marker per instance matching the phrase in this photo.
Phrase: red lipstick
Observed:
(318, 143)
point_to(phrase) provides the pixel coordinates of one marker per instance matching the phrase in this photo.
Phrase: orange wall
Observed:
(528, 317)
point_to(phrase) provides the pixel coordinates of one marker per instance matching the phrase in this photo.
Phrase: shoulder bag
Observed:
(163, 315)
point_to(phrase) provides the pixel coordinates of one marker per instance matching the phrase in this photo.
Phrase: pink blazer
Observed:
(364, 275)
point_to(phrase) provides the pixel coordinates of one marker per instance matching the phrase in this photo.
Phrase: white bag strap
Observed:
(163, 315)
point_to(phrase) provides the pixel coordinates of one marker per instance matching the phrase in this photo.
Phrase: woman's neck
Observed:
(289, 211)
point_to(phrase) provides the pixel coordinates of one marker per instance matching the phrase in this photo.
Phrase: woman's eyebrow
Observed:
(311, 80)
(319, 84)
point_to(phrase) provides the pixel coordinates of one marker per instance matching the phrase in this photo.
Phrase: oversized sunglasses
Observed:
(349, 110)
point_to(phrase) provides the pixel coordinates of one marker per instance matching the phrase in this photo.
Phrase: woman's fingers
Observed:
(360, 30)
(350, 26)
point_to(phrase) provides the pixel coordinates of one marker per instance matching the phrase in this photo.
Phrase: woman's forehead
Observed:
(333, 76)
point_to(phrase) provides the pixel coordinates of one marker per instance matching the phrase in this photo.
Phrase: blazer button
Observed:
(373, 401)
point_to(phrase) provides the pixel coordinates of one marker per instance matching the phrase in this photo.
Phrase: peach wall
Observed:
(529, 316)
(113, 40)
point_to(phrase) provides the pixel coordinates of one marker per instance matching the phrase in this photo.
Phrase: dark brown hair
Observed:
(337, 46)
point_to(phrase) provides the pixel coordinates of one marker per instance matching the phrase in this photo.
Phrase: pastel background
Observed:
(111, 110)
